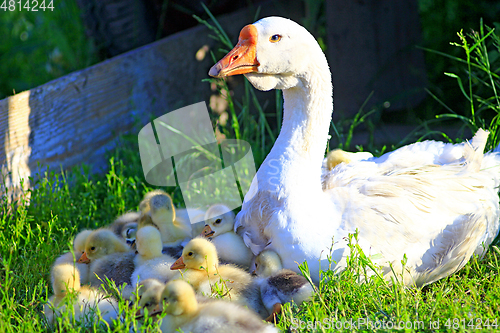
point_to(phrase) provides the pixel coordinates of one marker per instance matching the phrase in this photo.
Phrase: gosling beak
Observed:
(243, 57)
(178, 264)
(207, 232)
(84, 259)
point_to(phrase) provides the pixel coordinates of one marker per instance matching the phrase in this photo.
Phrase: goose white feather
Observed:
(436, 203)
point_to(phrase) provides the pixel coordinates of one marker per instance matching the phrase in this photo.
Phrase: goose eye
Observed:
(190, 254)
(218, 221)
(275, 38)
(92, 248)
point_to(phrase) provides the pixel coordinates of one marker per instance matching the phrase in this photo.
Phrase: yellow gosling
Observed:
(201, 268)
(219, 228)
(89, 301)
(78, 249)
(278, 285)
(158, 210)
(150, 262)
(186, 314)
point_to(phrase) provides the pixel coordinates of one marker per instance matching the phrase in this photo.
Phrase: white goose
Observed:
(437, 203)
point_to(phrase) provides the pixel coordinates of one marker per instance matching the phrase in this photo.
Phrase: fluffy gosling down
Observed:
(149, 296)
(185, 314)
(150, 262)
(337, 156)
(78, 250)
(278, 285)
(109, 256)
(88, 302)
(158, 210)
(201, 268)
(125, 226)
(219, 228)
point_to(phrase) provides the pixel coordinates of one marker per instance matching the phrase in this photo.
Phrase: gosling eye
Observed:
(190, 254)
(218, 221)
(92, 248)
(275, 38)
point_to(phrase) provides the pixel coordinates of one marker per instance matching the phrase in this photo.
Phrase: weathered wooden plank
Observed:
(76, 118)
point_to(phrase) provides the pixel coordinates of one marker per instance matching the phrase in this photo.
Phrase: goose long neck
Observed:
(307, 115)
(308, 109)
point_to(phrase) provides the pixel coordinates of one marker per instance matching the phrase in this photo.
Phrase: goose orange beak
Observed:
(242, 59)
(207, 232)
(178, 264)
(84, 259)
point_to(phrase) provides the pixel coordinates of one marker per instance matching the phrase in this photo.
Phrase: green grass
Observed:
(61, 204)
(40, 46)
(33, 233)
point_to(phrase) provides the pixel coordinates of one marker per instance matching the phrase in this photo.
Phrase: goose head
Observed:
(148, 242)
(273, 53)
(198, 254)
(100, 243)
(178, 298)
(218, 220)
(267, 263)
